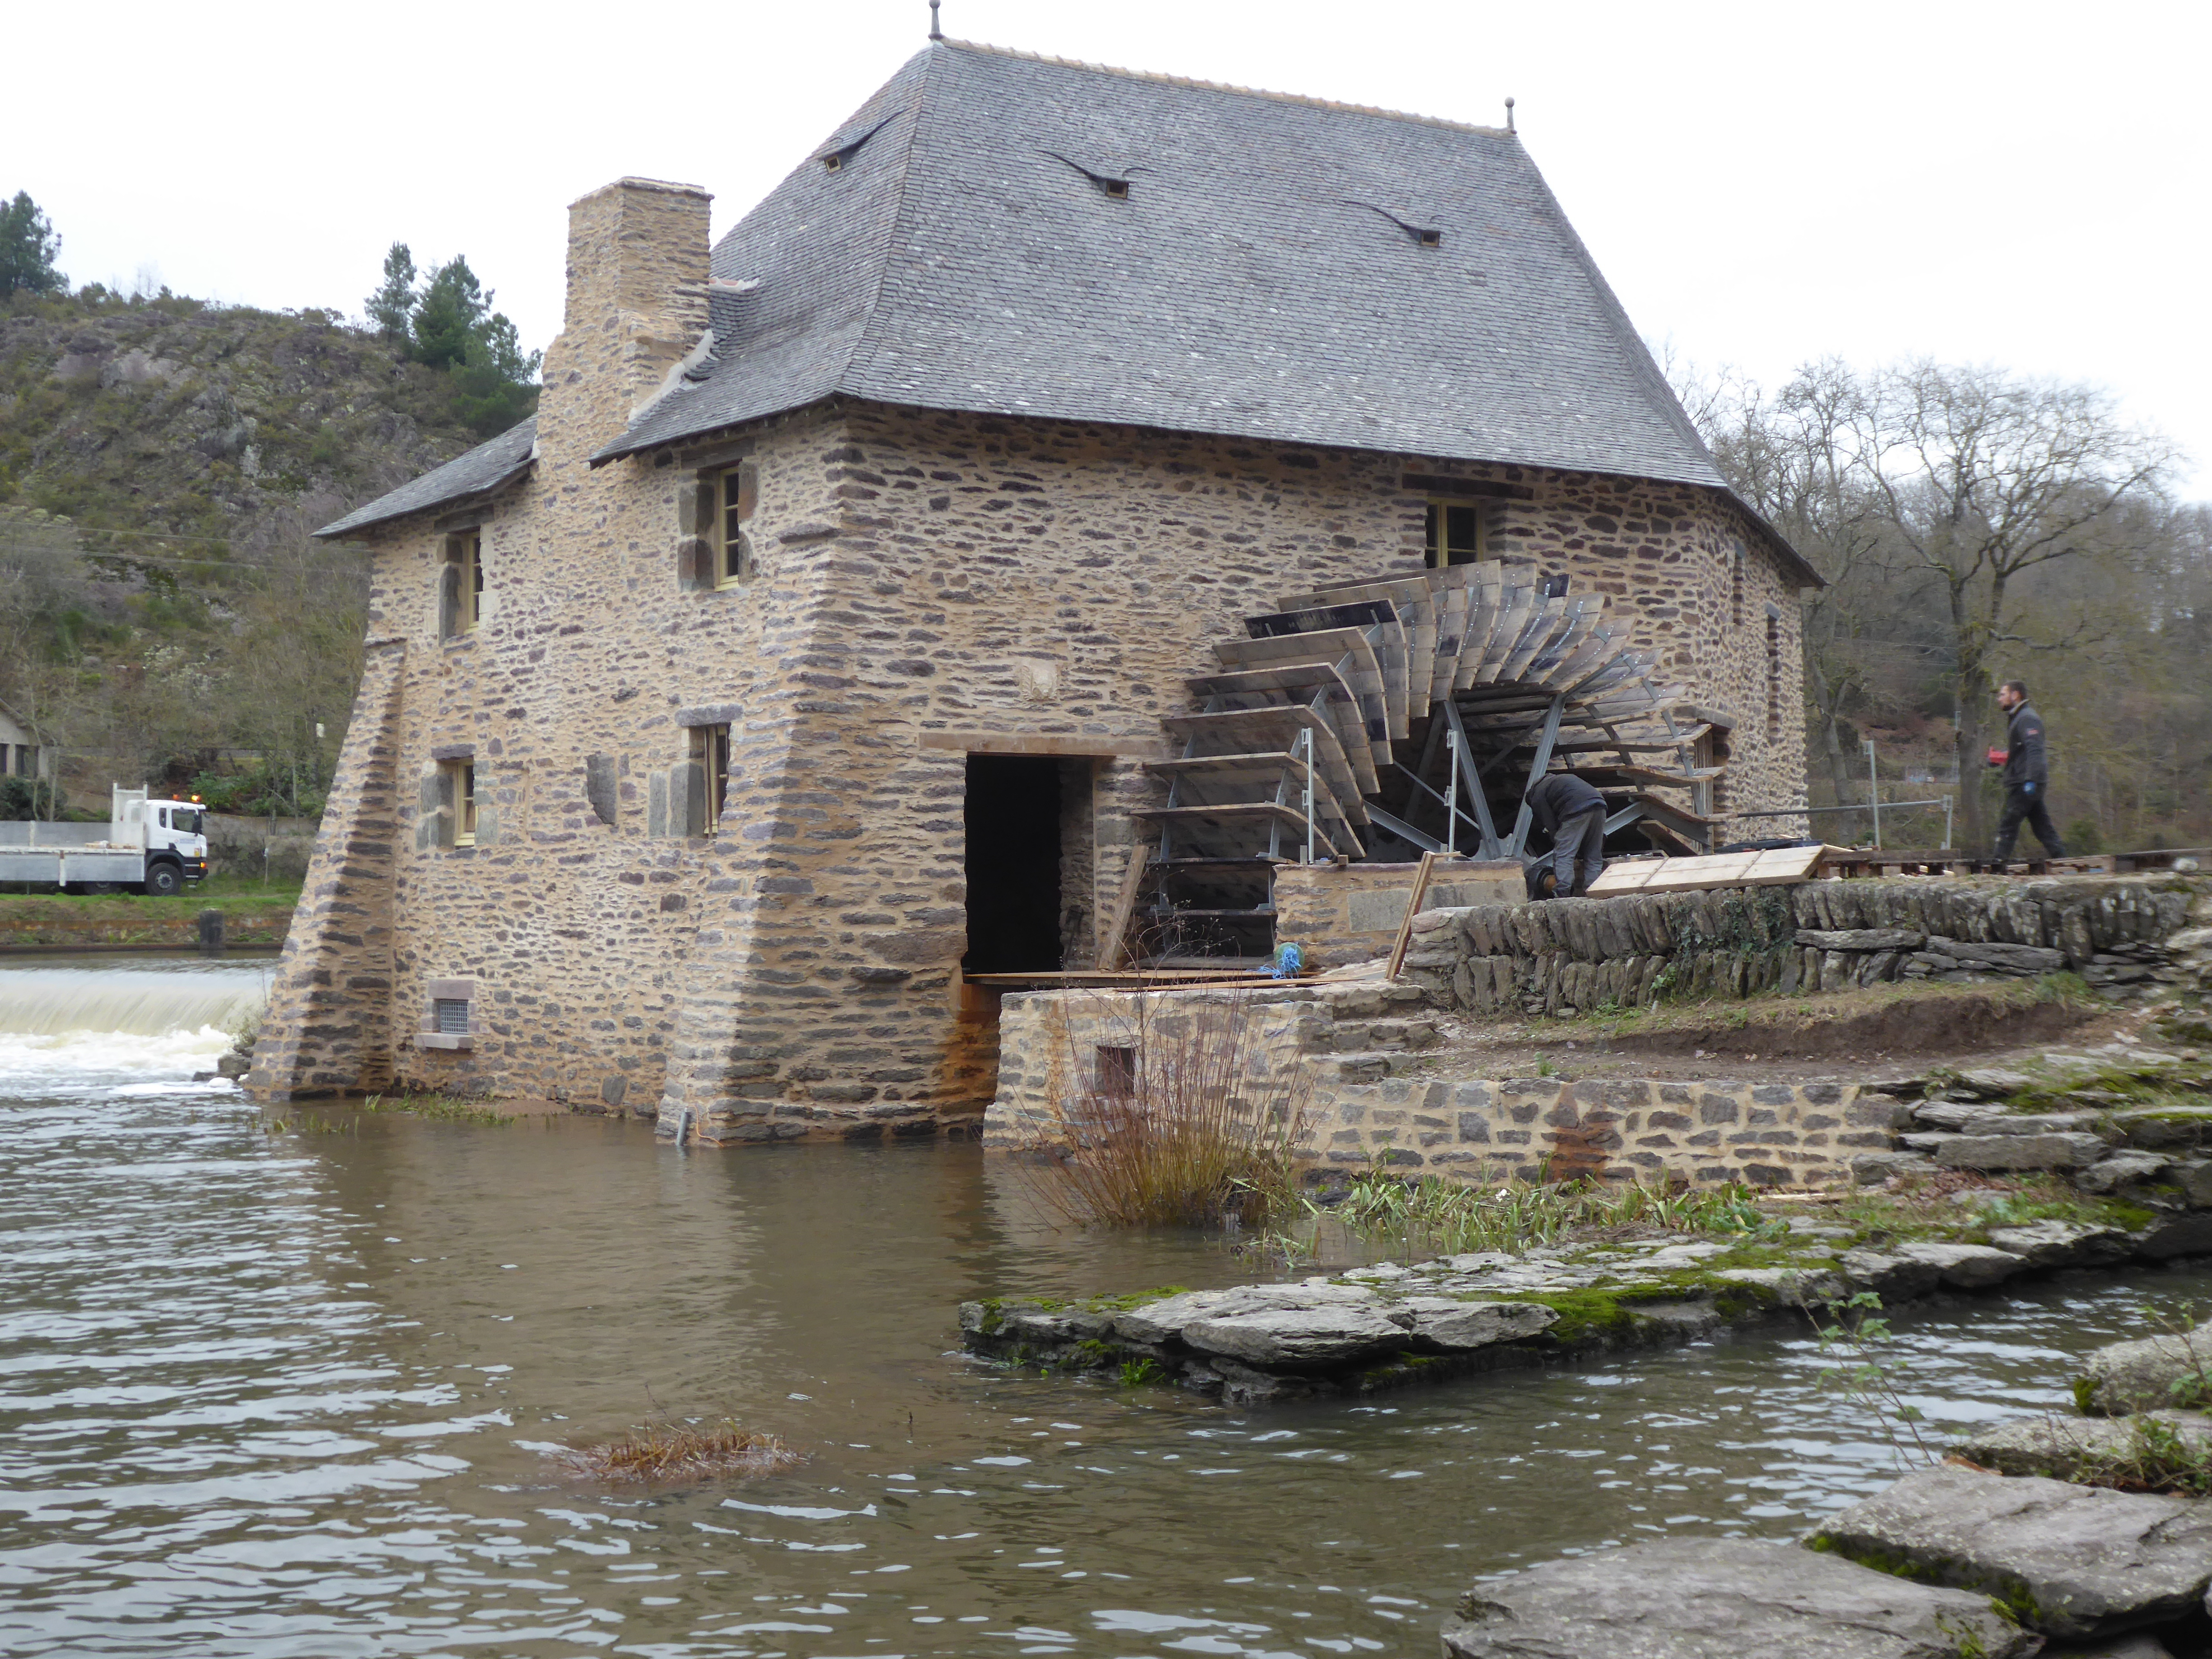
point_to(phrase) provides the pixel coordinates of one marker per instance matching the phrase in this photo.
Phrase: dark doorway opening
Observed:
(1012, 815)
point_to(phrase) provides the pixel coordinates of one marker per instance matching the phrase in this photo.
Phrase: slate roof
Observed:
(1262, 278)
(487, 467)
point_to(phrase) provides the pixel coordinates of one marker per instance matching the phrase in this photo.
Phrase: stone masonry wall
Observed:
(1472, 1130)
(1346, 912)
(1575, 955)
(324, 1031)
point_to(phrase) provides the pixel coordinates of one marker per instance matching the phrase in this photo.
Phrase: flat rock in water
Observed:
(2063, 1244)
(1969, 1266)
(1892, 1278)
(1800, 1287)
(1723, 1598)
(2063, 1448)
(2141, 1376)
(1298, 1339)
(2176, 1235)
(2070, 1561)
(1444, 1322)
(1158, 1322)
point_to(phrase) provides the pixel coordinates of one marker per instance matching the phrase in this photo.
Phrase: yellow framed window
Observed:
(1455, 533)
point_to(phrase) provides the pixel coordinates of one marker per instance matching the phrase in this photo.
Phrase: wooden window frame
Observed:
(461, 775)
(461, 591)
(1437, 530)
(708, 749)
(736, 501)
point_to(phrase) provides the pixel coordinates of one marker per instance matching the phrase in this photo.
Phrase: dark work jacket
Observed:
(1560, 796)
(2026, 759)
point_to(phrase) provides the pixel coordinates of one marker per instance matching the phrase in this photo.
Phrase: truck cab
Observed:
(176, 844)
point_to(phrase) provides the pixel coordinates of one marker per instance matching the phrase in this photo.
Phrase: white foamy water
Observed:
(119, 1030)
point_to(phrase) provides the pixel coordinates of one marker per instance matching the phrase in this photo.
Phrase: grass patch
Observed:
(228, 894)
(670, 1453)
(1438, 1217)
(437, 1109)
(1931, 1208)
(2158, 1458)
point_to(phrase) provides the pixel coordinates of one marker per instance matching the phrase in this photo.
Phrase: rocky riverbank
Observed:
(2087, 1157)
(1391, 1326)
(2083, 1537)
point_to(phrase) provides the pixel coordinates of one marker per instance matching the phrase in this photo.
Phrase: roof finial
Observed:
(935, 32)
(1510, 127)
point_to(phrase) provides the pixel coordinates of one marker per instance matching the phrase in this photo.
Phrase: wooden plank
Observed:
(1114, 947)
(1413, 908)
(1075, 746)
(1348, 648)
(1256, 688)
(1279, 723)
(1234, 816)
(1772, 866)
(1254, 779)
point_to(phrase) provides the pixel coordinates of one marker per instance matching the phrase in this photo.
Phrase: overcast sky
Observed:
(2020, 184)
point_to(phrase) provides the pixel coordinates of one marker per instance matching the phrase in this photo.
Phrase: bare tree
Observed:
(1981, 478)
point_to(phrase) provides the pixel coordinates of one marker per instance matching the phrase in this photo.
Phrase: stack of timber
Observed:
(1380, 719)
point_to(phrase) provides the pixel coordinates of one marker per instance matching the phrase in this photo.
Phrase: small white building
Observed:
(21, 753)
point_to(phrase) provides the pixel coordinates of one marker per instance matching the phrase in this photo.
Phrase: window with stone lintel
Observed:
(1455, 533)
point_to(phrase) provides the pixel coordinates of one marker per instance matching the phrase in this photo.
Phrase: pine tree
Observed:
(27, 248)
(494, 383)
(452, 310)
(391, 306)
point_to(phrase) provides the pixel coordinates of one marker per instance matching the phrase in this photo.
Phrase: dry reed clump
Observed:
(1181, 1119)
(682, 1451)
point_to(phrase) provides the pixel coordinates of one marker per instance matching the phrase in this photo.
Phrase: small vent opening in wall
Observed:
(451, 1016)
(1117, 1072)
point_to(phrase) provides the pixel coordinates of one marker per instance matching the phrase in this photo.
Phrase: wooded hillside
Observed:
(164, 616)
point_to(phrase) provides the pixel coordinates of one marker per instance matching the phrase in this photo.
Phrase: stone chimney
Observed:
(637, 306)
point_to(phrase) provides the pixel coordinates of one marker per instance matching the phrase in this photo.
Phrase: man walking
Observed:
(1572, 813)
(2026, 775)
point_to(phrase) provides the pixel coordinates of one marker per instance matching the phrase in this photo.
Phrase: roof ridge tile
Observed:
(1165, 80)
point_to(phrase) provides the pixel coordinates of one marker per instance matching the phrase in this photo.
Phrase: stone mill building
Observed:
(833, 632)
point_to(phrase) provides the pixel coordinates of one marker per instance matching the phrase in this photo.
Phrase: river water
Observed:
(293, 1393)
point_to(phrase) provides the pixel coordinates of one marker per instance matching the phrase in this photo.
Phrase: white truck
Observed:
(155, 846)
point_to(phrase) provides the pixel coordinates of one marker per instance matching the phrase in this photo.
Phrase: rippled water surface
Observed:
(293, 1393)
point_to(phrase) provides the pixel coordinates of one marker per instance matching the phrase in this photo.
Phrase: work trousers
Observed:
(2036, 810)
(1581, 841)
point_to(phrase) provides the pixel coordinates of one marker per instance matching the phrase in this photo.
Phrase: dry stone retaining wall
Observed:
(1576, 955)
(1469, 1130)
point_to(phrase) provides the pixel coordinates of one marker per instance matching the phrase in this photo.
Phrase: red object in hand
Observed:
(1998, 757)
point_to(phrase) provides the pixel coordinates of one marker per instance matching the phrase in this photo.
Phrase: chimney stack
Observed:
(636, 307)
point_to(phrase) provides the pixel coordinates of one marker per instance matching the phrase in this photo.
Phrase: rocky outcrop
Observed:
(2069, 1561)
(1725, 1598)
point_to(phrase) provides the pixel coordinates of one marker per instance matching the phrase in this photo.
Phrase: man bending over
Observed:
(1572, 813)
